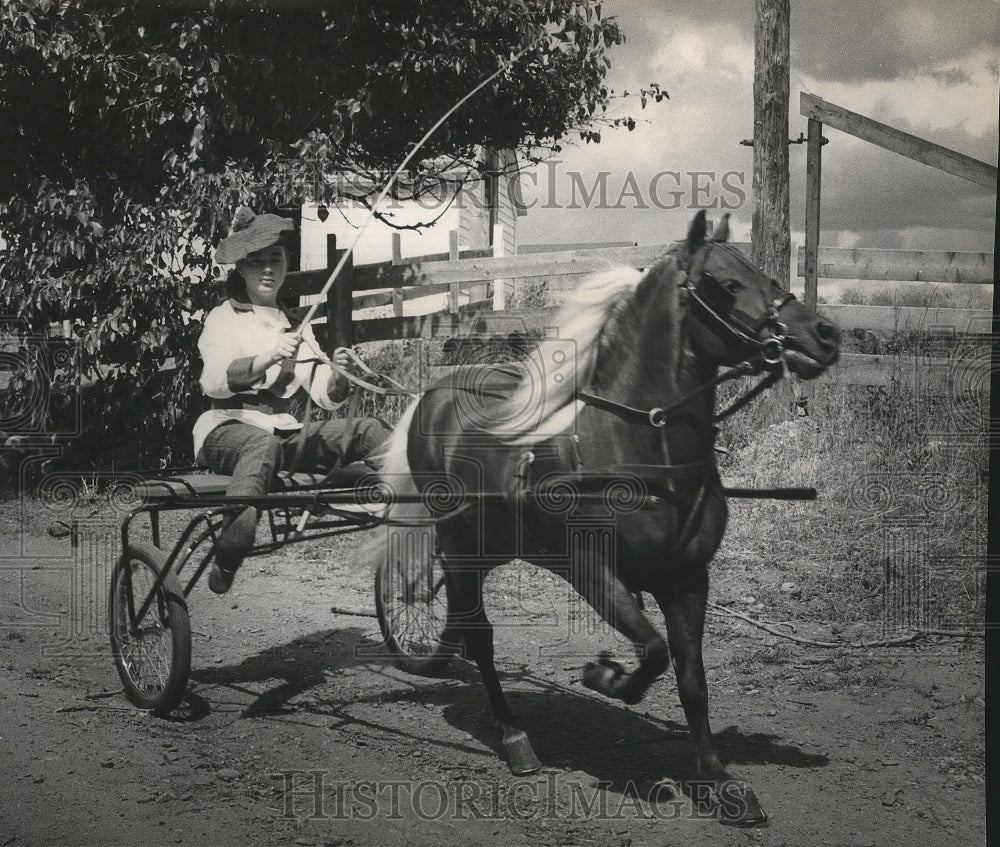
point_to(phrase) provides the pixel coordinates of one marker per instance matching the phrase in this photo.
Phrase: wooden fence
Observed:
(470, 275)
(897, 265)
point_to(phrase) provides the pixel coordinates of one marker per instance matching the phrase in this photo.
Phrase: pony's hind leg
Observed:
(683, 607)
(615, 604)
(467, 620)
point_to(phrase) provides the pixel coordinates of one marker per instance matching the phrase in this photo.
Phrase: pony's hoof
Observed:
(748, 822)
(604, 676)
(520, 754)
(738, 806)
(600, 678)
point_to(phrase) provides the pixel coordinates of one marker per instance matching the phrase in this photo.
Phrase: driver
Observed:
(253, 365)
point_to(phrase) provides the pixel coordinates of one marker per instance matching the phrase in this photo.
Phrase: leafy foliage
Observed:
(131, 131)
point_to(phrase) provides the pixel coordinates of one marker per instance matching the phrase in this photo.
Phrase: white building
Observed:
(484, 211)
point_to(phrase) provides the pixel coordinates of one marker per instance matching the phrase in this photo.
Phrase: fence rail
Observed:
(471, 276)
(563, 262)
(889, 319)
(820, 113)
(900, 265)
(478, 318)
(911, 146)
(926, 374)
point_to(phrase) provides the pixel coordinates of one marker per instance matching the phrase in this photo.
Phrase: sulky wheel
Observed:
(411, 601)
(153, 656)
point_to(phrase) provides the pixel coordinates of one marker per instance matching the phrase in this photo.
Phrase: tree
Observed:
(132, 130)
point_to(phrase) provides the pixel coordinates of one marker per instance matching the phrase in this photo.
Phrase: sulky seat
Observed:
(212, 484)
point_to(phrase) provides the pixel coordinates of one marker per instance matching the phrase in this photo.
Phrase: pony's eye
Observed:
(732, 286)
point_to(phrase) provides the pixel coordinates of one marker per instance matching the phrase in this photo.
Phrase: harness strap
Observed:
(658, 417)
(693, 514)
(771, 348)
(667, 472)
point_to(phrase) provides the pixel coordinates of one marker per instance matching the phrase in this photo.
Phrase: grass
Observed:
(922, 294)
(898, 534)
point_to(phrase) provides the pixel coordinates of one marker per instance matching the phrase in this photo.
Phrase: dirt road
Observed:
(296, 731)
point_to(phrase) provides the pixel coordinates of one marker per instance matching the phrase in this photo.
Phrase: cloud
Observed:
(706, 54)
(872, 192)
(857, 40)
(954, 95)
(950, 76)
(925, 68)
(847, 40)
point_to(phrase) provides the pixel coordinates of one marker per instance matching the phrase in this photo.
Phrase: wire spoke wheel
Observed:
(152, 654)
(411, 601)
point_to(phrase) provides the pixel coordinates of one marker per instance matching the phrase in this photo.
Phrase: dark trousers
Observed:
(253, 456)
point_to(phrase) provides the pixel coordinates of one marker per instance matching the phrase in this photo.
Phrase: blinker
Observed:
(715, 294)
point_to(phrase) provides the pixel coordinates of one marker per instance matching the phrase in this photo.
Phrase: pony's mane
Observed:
(548, 389)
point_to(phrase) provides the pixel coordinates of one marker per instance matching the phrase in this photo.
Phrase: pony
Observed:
(613, 419)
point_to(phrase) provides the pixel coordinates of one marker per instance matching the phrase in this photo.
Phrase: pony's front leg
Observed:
(683, 607)
(613, 602)
(467, 619)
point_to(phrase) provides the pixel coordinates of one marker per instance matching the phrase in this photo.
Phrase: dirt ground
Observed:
(297, 731)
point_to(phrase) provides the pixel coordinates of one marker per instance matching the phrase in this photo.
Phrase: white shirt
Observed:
(234, 333)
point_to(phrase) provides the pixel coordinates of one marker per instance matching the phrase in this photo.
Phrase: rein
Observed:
(658, 416)
(394, 389)
(770, 356)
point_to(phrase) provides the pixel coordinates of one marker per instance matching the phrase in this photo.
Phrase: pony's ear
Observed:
(722, 230)
(696, 234)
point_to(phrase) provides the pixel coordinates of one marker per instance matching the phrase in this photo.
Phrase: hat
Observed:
(250, 232)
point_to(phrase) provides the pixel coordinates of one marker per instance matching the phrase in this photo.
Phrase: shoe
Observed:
(235, 541)
(219, 580)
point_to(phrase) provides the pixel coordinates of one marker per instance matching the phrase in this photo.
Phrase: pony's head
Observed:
(737, 312)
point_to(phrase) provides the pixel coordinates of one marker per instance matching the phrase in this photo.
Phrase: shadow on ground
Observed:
(570, 729)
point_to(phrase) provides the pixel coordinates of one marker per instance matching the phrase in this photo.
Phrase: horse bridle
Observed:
(768, 354)
(771, 348)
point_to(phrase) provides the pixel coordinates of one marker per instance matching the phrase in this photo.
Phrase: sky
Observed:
(928, 68)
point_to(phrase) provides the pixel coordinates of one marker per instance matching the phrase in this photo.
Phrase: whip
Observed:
(371, 216)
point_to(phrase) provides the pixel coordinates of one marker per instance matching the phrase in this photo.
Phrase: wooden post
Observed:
(453, 288)
(499, 285)
(814, 173)
(339, 305)
(770, 233)
(397, 259)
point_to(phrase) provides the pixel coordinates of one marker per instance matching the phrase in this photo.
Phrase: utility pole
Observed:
(770, 233)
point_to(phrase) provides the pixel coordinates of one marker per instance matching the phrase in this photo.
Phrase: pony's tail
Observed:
(411, 541)
(395, 473)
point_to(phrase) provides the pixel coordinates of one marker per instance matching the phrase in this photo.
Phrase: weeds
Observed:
(922, 294)
(756, 659)
(898, 534)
